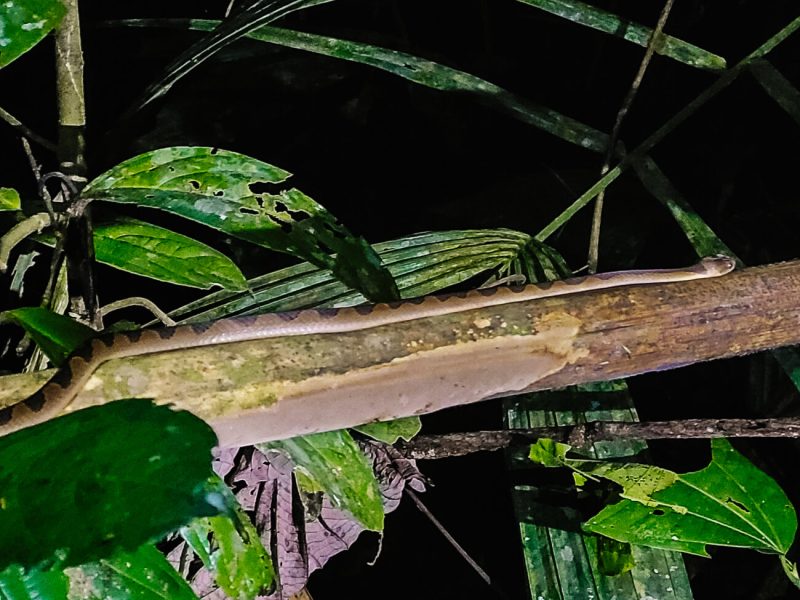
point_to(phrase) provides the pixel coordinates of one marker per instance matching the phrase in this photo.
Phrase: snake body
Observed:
(57, 394)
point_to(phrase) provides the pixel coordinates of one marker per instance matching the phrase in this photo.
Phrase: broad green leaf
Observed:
(339, 467)
(729, 503)
(158, 253)
(596, 18)
(144, 574)
(415, 69)
(231, 549)
(108, 478)
(23, 24)
(58, 336)
(391, 431)
(246, 198)
(17, 584)
(9, 198)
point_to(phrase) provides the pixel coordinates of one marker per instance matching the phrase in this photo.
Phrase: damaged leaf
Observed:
(728, 503)
(248, 199)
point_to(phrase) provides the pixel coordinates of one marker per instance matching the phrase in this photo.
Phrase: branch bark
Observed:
(282, 387)
(461, 444)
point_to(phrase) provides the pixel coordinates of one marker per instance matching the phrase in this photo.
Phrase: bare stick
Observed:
(655, 39)
(138, 301)
(448, 536)
(25, 131)
(461, 444)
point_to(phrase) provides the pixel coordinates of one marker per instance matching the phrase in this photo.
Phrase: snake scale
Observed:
(57, 394)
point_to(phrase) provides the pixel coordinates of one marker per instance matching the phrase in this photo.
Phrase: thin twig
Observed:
(678, 118)
(476, 567)
(655, 39)
(138, 301)
(33, 224)
(25, 131)
(461, 444)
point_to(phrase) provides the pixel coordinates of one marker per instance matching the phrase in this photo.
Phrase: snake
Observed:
(60, 390)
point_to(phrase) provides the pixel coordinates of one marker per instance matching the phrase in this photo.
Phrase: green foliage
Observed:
(58, 336)
(9, 199)
(144, 474)
(337, 465)
(613, 557)
(143, 574)
(158, 253)
(231, 549)
(228, 192)
(391, 431)
(729, 503)
(18, 584)
(120, 486)
(24, 23)
(607, 22)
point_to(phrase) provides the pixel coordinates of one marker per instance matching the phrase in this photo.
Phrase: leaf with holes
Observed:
(729, 503)
(248, 199)
(23, 24)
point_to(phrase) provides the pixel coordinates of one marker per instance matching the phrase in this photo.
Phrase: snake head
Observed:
(718, 264)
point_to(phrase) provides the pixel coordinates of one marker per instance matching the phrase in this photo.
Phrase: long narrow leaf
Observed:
(608, 22)
(415, 69)
(256, 14)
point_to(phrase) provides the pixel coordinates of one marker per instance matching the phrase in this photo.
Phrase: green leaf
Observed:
(158, 253)
(9, 197)
(415, 69)
(23, 24)
(421, 264)
(596, 18)
(107, 478)
(613, 557)
(243, 197)
(778, 87)
(144, 574)
(239, 23)
(235, 554)
(58, 336)
(729, 503)
(549, 453)
(391, 431)
(702, 238)
(336, 463)
(17, 584)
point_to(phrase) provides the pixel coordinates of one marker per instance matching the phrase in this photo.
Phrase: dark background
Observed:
(390, 158)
